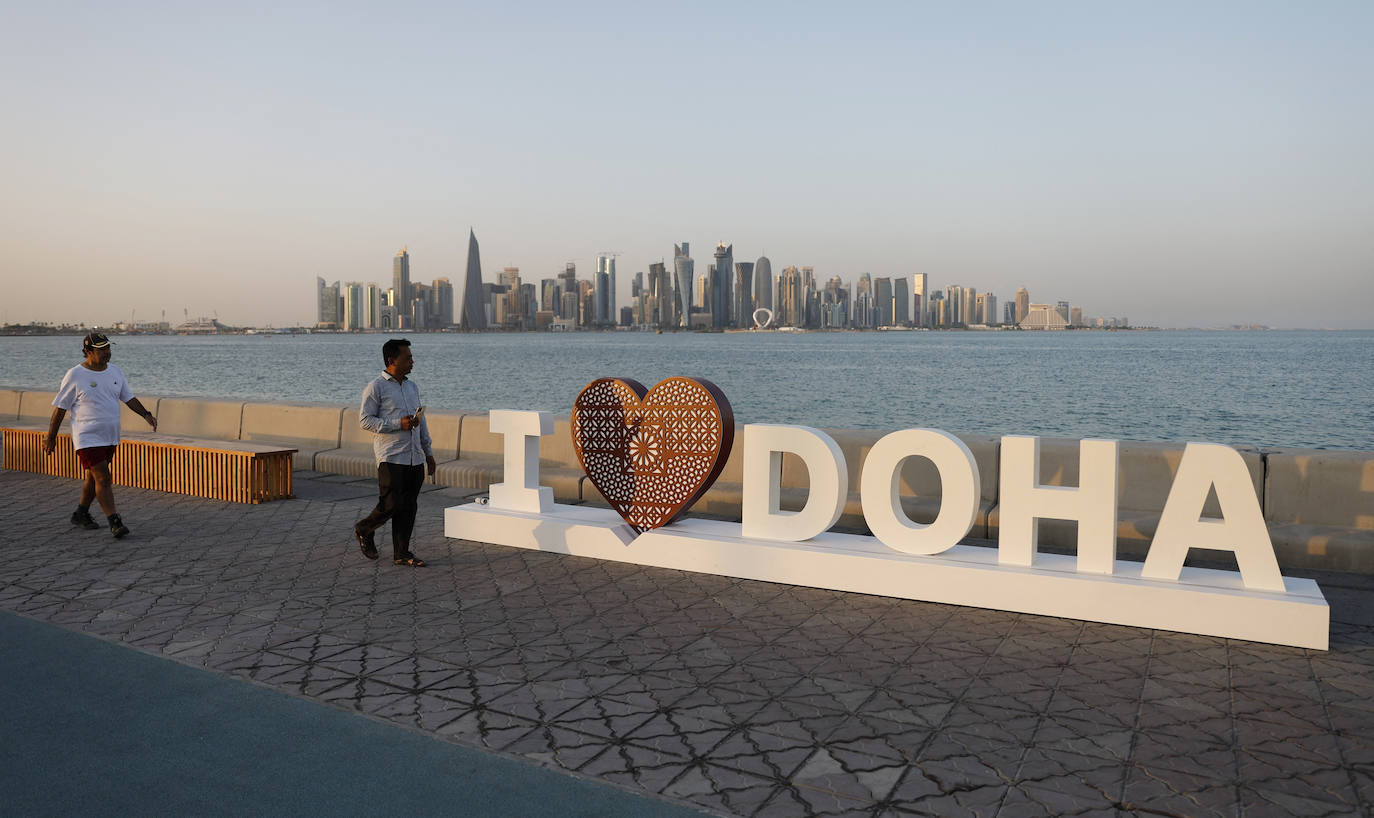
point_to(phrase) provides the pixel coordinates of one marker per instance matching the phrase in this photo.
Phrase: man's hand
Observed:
(49, 444)
(152, 420)
(409, 422)
(430, 465)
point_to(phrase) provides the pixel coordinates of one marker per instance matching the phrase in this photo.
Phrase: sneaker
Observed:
(83, 519)
(117, 527)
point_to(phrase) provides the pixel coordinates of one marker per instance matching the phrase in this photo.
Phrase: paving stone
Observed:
(744, 698)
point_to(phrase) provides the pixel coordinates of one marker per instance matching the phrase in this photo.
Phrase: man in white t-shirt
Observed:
(92, 391)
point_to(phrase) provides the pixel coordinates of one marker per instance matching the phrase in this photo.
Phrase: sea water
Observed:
(1270, 389)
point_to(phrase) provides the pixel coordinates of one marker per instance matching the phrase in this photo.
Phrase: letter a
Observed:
(1241, 527)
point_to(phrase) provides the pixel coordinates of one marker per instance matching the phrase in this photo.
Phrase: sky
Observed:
(1175, 163)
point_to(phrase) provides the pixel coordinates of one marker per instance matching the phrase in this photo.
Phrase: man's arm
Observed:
(427, 445)
(137, 406)
(50, 443)
(369, 414)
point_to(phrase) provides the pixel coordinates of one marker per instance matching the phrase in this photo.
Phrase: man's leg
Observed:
(104, 494)
(88, 491)
(383, 511)
(81, 518)
(407, 506)
(99, 475)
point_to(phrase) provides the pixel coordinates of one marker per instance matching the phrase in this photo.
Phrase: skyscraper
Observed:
(683, 267)
(400, 276)
(744, 294)
(606, 265)
(901, 302)
(791, 298)
(918, 289)
(721, 272)
(474, 311)
(763, 283)
(601, 285)
(327, 297)
(354, 311)
(661, 291)
(1022, 304)
(443, 302)
(372, 306)
(882, 301)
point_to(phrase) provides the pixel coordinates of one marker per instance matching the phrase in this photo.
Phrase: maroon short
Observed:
(95, 455)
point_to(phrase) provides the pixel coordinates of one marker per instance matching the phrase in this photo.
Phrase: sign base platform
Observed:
(1202, 601)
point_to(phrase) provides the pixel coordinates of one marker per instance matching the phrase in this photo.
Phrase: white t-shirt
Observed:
(93, 399)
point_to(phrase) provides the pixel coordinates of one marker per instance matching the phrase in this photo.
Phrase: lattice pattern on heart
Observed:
(652, 454)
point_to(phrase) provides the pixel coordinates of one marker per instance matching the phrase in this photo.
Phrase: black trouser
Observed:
(398, 495)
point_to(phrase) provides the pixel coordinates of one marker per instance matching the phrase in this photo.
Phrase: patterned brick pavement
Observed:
(742, 698)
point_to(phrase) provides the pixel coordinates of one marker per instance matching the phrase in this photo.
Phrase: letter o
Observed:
(880, 480)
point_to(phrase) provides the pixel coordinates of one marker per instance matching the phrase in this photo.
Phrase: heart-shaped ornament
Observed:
(652, 453)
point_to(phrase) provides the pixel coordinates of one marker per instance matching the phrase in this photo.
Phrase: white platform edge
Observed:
(1205, 602)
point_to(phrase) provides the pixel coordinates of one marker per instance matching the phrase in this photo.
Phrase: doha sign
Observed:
(909, 560)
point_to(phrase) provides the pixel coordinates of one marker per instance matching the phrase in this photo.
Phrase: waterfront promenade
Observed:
(683, 690)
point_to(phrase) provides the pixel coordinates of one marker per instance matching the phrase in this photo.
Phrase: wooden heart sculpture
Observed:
(652, 453)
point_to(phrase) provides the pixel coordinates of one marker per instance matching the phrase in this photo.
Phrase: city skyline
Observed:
(1203, 164)
(727, 296)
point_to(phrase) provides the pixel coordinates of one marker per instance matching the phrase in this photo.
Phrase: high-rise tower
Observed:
(474, 311)
(683, 267)
(400, 277)
(763, 283)
(1022, 304)
(918, 289)
(721, 273)
(744, 294)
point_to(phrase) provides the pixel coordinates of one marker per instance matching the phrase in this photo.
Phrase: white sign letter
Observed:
(520, 489)
(761, 514)
(1241, 527)
(880, 483)
(1023, 501)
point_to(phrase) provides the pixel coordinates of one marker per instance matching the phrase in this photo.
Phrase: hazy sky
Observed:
(1177, 163)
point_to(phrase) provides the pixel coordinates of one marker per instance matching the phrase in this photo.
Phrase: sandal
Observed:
(411, 560)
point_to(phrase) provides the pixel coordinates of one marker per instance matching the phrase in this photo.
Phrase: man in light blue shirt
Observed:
(392, 411)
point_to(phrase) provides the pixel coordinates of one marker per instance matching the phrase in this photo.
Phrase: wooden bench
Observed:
(230, 470)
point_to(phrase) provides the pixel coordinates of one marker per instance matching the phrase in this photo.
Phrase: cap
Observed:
(95, 340)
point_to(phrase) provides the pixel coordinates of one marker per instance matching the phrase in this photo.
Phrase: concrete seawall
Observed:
(1318, 504)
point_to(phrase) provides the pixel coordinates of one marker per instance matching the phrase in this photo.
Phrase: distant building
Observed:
(442, 293)
(882, 302)
(327, 299)
(1022, 304)
(901, 316)
(400, 276)
(372, 306)
(683, 269)
(604, 283)
(919, 306)
(744, 294)
(1043, 316)
(763, 283)
(474, 310)
(722, 270)
(354, 312)
(1076, 316)
(791, 302)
